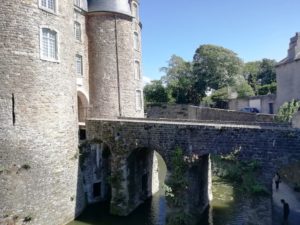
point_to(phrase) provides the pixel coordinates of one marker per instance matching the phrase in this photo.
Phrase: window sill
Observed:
(48, 10)
(50, 60)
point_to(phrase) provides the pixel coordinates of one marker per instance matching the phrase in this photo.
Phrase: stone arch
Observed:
(83, 104)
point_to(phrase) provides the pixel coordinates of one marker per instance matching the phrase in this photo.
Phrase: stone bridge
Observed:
(272, 145)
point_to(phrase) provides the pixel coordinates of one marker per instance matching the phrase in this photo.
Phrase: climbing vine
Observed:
(176, 189)
(242, 173)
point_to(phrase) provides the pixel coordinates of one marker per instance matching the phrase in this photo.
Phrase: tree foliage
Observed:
(267, 74)
(287, 110)
(244, 90)
(179, 79)
(155, 92)
(261, 76)
(215, 67)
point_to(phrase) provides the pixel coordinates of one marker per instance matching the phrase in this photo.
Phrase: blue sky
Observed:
(254, 29)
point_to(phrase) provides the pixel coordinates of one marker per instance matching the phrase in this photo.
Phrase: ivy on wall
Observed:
(243, 173)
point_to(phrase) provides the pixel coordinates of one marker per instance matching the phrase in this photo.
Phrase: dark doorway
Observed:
(97, 189)
(271, 108)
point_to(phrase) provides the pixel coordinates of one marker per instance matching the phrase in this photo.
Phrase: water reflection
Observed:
(153, 212)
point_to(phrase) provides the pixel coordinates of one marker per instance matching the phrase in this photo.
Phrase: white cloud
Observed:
(146, 80)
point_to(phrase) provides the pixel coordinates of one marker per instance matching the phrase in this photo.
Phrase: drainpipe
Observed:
(118, 69)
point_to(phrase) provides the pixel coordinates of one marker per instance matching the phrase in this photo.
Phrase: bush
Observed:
(287, 110)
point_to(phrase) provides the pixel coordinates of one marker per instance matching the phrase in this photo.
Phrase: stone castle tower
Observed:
(61, 62)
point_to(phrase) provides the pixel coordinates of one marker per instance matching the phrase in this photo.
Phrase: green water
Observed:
(153, 211)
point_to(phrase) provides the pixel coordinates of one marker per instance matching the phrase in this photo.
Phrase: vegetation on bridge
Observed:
(242, 173)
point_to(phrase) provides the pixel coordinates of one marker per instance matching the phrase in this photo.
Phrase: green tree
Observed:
(250, 72)
(287, 110)
(261, 76)
(179, 80)
(215, 67)
(155, 92)
(244, 90)
(177, 68)
(267, 73)
(267, 89)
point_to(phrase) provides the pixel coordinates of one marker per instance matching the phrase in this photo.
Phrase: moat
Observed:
(153, 212)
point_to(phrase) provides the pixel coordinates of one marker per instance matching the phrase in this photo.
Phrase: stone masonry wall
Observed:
(288, 82)
(272, 147)
(81, 48)
(202, 113)
(111, 52)
(38, 120)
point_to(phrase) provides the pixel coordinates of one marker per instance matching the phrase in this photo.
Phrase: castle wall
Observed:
(38, 120)
(81, 48)
(113, 84)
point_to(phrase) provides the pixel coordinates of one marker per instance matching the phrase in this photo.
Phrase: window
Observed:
(138, 99)
(135, 11)
(137, 70)
(271, 108)
(48, 5)
(135, 26)
(97, 189)
(79, 70)
(49, 44)
(136, 42)
(77, 31)
(77, 3)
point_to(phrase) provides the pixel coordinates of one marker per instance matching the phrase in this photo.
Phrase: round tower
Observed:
(116, 84)
(38, 118)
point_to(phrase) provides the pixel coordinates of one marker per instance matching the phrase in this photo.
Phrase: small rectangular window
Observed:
(271, 108)
(138, 99)
(135, 11)
(97, 189)
(77, 3)
(49, 44)
(48, 4)
(136, 42)
(77, 31)
(137, 70)
(79, 69)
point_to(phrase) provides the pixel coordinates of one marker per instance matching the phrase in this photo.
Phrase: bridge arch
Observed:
(272, 146)
(82, 104)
